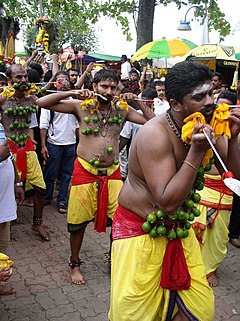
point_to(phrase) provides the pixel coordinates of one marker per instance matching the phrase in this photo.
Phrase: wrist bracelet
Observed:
(191, 165)
(19, 184)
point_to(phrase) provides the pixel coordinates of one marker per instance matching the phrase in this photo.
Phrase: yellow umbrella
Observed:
(164, 48)
(212, 52)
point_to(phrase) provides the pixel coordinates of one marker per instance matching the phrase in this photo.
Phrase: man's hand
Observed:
(5, 274)
(199, 140)
(90, 67)
(83, 94)
(128, 97)
(19, 194)
(44, 152)
(4, 151)
(54, 57)
(234, 118)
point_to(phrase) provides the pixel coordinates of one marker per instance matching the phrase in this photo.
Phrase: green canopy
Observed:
(21, 54)
(102, 57)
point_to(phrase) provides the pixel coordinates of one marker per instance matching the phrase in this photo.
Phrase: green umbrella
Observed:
(21, 54)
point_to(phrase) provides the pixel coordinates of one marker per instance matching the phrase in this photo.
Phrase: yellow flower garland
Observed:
(91, 104)
(119, 103)
(9, 91)
(33, 89)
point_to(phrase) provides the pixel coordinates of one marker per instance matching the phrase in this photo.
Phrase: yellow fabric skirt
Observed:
(213, 241)
(34, 176)
(83, 198)
(135, 282)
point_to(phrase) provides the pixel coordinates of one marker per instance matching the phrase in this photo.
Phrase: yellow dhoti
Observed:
(211, 227)
(83, 199)
(135, 282)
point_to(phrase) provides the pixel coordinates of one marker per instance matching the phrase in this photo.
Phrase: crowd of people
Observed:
(85, 130)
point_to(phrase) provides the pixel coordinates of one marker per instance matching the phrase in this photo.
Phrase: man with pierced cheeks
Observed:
(149, 280)
(96, 178)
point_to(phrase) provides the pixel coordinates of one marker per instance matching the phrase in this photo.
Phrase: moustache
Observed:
(207, 109)
(104, 101)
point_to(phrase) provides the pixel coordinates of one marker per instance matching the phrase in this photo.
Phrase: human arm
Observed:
(19, 192)
(44, 125)
(30, 59)
(4, 151)
(55, 69)
(86, 73)
(143, 74)
(161, 157)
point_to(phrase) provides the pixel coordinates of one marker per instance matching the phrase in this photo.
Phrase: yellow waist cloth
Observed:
(135, 282)
(83, 198)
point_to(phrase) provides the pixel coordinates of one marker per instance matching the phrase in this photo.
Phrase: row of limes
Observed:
(97, 163)
(20, 110)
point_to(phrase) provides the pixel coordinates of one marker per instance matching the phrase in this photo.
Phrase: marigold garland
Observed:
(91, 104)
(9, 91)
(33, 89)
(120, 104)
(220, 122)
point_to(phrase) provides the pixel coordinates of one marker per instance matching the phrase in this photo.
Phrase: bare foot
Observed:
(76, 275)
(41, 231)
(6, 290)
(213, 279)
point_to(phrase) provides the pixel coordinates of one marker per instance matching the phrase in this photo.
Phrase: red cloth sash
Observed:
(175, 275)
(217, 185)
(20, 153)
(82, 176)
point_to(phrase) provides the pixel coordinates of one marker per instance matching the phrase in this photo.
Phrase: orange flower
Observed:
(191, 121)
(220, 122)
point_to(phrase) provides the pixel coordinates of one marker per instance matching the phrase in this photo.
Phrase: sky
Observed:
(166, 22)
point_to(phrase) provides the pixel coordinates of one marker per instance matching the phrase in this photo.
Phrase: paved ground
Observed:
(41, 279)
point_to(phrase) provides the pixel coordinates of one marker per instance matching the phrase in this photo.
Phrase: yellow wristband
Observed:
(191, 165)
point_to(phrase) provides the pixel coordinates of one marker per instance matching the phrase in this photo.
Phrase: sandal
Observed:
(62, 208)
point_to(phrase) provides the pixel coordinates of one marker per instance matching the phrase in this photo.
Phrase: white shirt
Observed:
(125, 68)
(63, 130)
(160, 106)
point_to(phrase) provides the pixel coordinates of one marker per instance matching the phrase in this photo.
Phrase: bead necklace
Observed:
(175, 127)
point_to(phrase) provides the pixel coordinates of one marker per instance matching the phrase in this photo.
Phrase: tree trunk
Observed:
(145, 22)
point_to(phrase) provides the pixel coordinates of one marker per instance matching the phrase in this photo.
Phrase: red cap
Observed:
(227, 175)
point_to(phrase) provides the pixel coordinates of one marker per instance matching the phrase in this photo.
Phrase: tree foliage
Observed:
(80, 15)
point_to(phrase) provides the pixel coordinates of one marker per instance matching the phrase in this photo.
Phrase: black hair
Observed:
(158, 83)
(33, 76)
(61, 72)
(10, 69)
(217, 74)
(106, 74)
(229, 96)
(72, 69)
(184, 77)
(47, 76)
(37, 67)
(2, 68)
(149, 93)
(124, 57)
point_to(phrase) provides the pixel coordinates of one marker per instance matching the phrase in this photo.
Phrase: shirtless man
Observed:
(164, 278)
(96, 178)
(18, 121)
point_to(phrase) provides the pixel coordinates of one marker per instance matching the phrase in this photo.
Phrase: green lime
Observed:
(200, 171)
(110, 120)
(12, 137)
(186, 216)
(96, 131)
(119, 121)
(160, 214)
(29, 84)
(91, 161)
(153, 233)
(161, 230)
(84, 131)
(21, 108)
(20, 113)
(200, 186)
(188, 203)
(171, 235)
(11, 126)
(10, 110)
(86, 119)
(212, 160)
(17, 140)
(208, 167)
(95, 119)
(115, 119)
(89, 130)
(115, 162)
(181, 214)
(185, 233)
(172, 217)
(16, 85)
(43, 90)
(109, 149)
(25, 137)
(196, 212)
(152, 218)
(5, 112)
(146, 227)
(191, 217)
(187, 225)
(179, 232)
(196, 198)
(96, 163)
